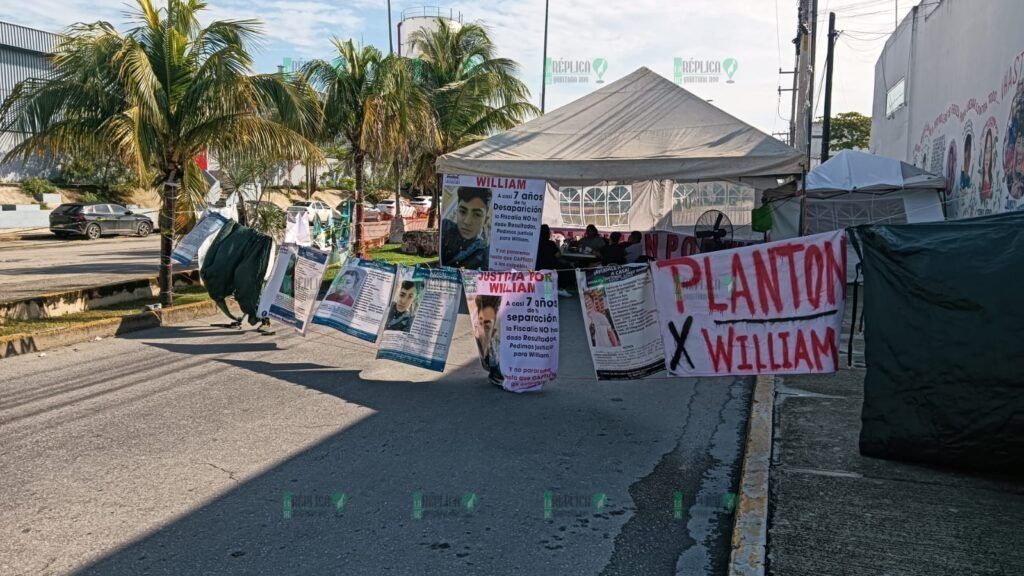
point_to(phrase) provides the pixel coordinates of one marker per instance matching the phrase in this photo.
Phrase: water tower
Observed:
(422, 18)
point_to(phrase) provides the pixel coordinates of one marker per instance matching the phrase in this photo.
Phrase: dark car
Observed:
(93, 220)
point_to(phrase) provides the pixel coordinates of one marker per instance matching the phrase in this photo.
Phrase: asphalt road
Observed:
(45, 265)
(171, 451)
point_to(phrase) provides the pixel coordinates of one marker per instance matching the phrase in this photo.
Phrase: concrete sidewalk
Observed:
(833, 511)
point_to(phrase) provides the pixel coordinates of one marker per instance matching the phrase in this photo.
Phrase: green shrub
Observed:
(91, 197)
(33, 186)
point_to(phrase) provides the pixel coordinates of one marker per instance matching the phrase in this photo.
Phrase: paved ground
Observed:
(33, 267)
(170, 452)
(835, 512)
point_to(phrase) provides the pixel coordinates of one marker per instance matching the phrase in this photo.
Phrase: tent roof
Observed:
(640, 127)
(852, 170)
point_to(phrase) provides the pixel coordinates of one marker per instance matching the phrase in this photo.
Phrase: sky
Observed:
(755, 35)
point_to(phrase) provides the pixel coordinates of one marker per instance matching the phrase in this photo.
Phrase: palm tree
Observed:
(344, 86)
(399, 120)
(157, 96)
(472, 92)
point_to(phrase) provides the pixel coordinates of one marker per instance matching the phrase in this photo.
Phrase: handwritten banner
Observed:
(772, 308)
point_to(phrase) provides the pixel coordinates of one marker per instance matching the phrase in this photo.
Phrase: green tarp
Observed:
(235, 265)
(944, 336)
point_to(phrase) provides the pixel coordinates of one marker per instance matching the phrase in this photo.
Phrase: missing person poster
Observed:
(290, 295)
(515, 322)
(773, 308)
(187, 251)
(420, 322)
(490, 223)
(358, 298)
(621, 319)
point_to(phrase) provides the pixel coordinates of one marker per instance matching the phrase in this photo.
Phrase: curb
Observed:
(750, 529)
(18, 344)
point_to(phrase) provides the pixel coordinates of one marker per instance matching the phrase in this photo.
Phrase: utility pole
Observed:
(803, 51)
(544, 66)
(391, 44)
(826, 125)
(810, 80)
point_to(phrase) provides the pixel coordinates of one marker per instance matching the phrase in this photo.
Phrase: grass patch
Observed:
(187, 295)
(391, 253)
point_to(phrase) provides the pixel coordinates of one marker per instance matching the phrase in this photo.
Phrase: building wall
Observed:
(24, 54)
(963, 64)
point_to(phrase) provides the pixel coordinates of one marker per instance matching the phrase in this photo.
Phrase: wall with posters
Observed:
(956, 108)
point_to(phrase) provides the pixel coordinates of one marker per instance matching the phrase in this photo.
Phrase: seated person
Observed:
(614, 252)
(635, 248)
(592, 240)
(549, 258)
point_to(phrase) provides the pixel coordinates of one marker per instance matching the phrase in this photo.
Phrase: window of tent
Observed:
(600, 205)
(691, 199)
(829, 215)
(569, 206)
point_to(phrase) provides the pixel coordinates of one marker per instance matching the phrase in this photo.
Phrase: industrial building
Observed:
(949, 98)
(24, 54)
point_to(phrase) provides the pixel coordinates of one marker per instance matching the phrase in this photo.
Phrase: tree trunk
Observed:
(435, 203)
(398, 224)
(357, 216)
(167, 216)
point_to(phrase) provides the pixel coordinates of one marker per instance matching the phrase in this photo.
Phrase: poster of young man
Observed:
(490, 223)
(187, 251)
(357, 300)
(773, 308)
(290, 295)
(420, 323)
(515, 324)
(621, 319)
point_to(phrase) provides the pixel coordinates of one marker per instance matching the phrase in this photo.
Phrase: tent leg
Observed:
(853, 320)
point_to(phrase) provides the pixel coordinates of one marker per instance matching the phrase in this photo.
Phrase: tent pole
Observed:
(544, 66)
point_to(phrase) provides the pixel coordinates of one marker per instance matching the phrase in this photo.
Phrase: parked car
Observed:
(93, 220)
(422, 204)
(318, 207)
(387, 208)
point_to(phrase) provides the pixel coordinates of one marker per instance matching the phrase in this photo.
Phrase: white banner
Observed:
(621, 320)
(490, 223)
(187, 251)
(515, 322)
(290, 295)
(774, 308)
(420, 323)
(358, 298)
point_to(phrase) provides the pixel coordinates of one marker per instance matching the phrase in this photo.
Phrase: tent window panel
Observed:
(690, 200)
(829, 215)
(620, 198)
(570, 207)
(595, 206)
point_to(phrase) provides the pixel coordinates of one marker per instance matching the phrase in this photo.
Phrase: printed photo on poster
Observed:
(490, 223)
(773, 308)
(420, 324)
(621, 319)
(403, 306)
(515, 325)
(290, 295)
(358, 299)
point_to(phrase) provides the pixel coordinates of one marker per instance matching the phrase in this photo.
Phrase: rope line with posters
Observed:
(759, 309)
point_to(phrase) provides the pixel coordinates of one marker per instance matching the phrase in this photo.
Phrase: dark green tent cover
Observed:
(944, 336)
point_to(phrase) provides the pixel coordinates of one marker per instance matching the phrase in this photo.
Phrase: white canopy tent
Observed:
(638, 154)
(855, 188)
